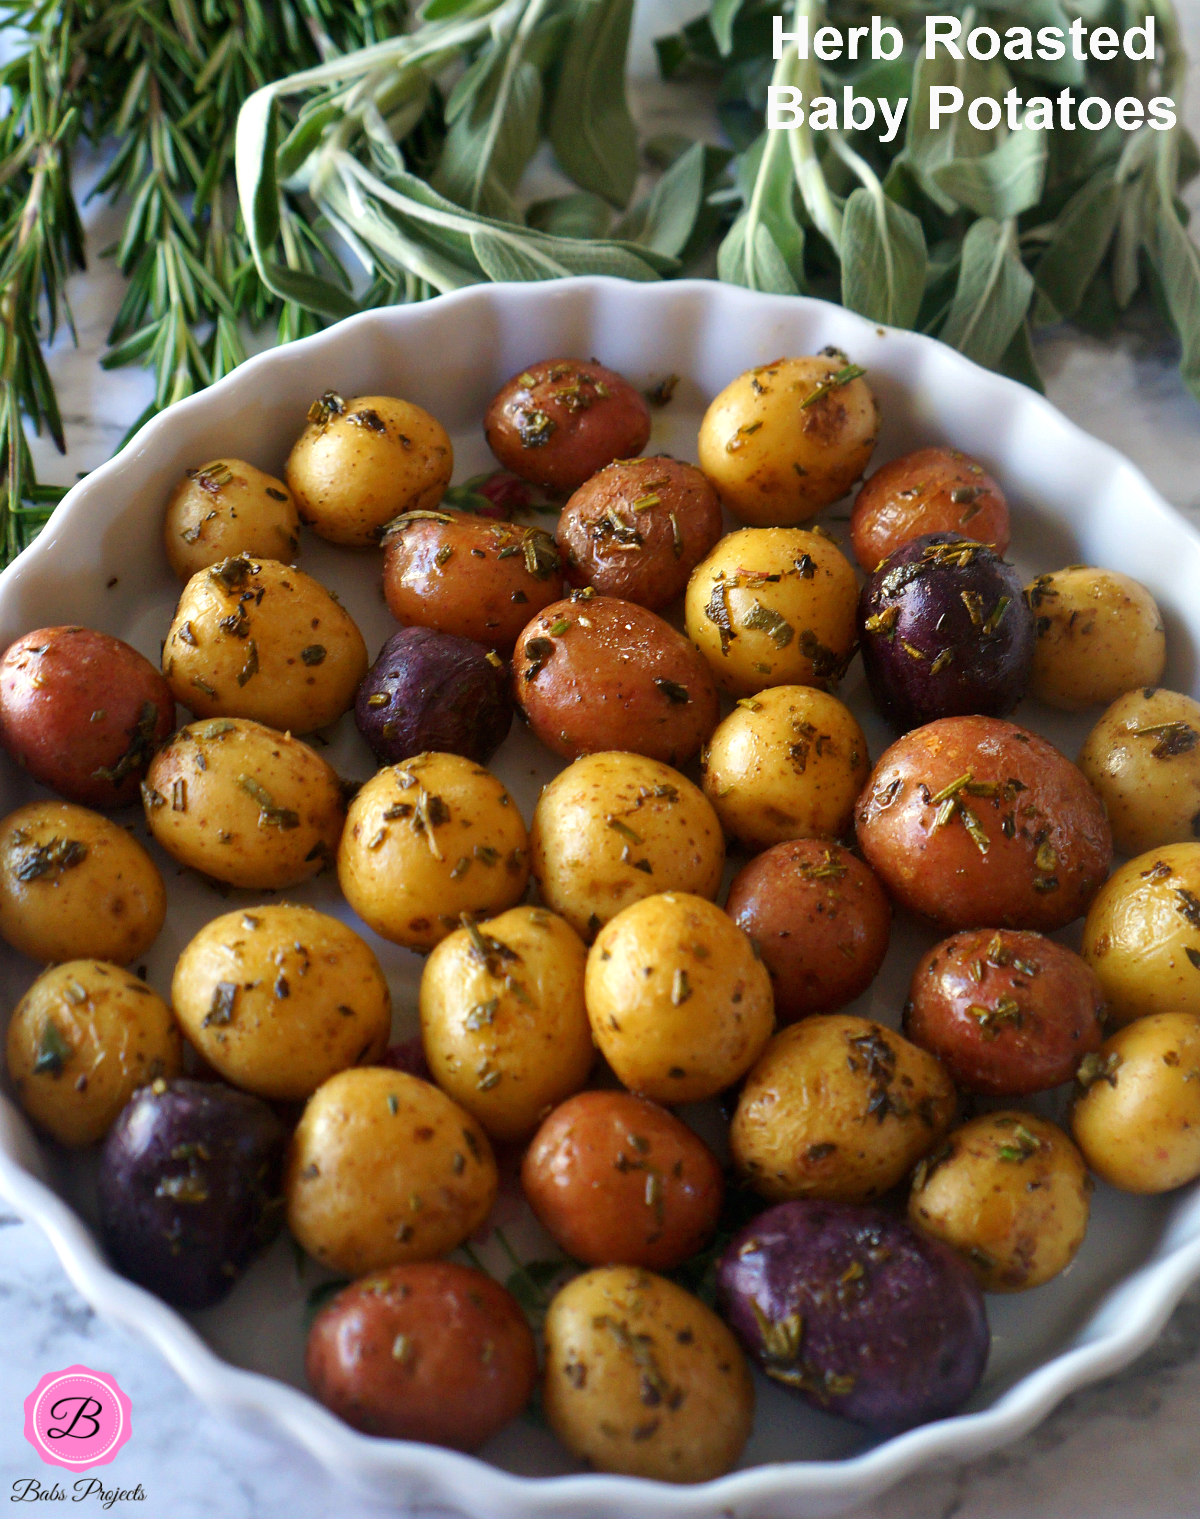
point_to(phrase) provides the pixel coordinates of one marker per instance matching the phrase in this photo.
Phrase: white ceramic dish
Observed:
(99, 562)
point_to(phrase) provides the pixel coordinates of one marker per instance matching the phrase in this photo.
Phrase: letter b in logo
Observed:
(80, 1410)
(77, 1418)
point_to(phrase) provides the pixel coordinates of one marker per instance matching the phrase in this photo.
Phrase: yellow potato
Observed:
(228, 507)
(642, 1379)
(1143, 757)
(613, 828)
(1137, 1117)
(244, 804)
(1142, 934)
(427, 841)
(75, 886)
(788, 438)
(278, 998)
(773, 607)
(839, 1108)
(679, 1003)
(361, 462)
(84, 1037)
(1010, 1193)
(255, 638)
(385, 1168)
(788, 763)
(1099, 634)
(503, 1019)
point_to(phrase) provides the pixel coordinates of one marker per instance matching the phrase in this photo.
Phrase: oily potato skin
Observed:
(1007, 1013)
(429, 1351)
(821, 921)
(81, 1041)
(469, 575)
(427, 841)
(75, 886)
(259, 639)
(361, 462)
(280, 997)
(1142, 934)
(503, 1021)
(225, 508)
(614, 1178)
(776, 460)
(788, 763)
(598, 673)
(839, 1108)
(244, 804)
(933, 490)
(638, 528)
(1099, 634)
(1138, 1123)
(773, 607)
(1143, 758)
(679, 1004)
(83, 713)
(1011, 1193)
(584, 860)
(1042, 877)
(383, 1169)
(560, 420)
(642, 1379)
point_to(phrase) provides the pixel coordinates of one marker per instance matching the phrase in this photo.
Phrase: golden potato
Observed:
(773, 607)
(788, 763)
(1142, 934)
(244, 804)
(679, 1003)
(1099, 634)
(279, 998)
(1009, 1192)
(427, 841)
(256, 638)
(641, 1378)
(75, 886)
(788, 438)
(1136, 1116)
(361, 462)
(385, 1168)
(83, 1038)
(228, 507)
(503, 1019)
(1143, 757)
(838, 1108)
(613, 828)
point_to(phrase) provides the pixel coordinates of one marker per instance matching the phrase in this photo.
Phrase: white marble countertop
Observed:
(1128, 1448)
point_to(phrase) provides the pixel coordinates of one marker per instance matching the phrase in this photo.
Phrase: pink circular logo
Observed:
(77, 1418)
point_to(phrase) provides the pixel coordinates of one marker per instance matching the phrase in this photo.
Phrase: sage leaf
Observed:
(591, 130)
(884, 259)
(490, 143)
(992, 294)
(750, 256)
(1019, 363)
(926, 148)
(1176, 260)
(580, 214)
(666, 218)
(764, 249)
(1082, 235)
(721, 18)
(1002, 183)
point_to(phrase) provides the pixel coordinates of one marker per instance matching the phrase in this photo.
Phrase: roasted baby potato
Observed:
(83, 1038)
(259, 639)
(361, 462)
(74, 886)
(1099, 634)
(427, 841)
(934, 490)
(613, 828)
(227, 508)
(244, 804)
(1143, 758)
(788, 438)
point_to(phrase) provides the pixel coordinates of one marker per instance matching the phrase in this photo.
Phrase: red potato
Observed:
(934, 490)
(431, 1351)
(83, 712)
(1007, 1013)
(820, 919)
(618, 1180)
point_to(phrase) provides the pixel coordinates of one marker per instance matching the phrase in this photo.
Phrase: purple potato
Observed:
(945, 632)
(190, 1188)
(859, 1313)
(434, 691)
